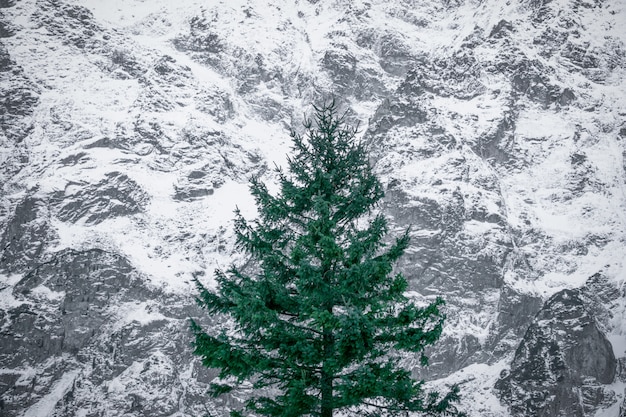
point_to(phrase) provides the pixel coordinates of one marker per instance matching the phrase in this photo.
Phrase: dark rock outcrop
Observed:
(73, 23)
(515, 312)
(86, 322)
(560, 363)
(6, 28)
(18, 98)
(77, 289)
(116, 195)
(7, 3)
(26, 235)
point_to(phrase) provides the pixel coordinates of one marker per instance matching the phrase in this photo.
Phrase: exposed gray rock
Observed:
(153, 98)
(191, 192)
(144, 131)
(26, 236)
(497, 145)
(341, 65)
(403, 109)
(515, 312)
(116, 195)
(583, 176)
(76, 287)
(448, 256)
(394, 54)
(353, 78)
(560, 362)
(72, 23)
(7, 3)
(216, 103)
(593, 58)
(107, 329)
(206, 45)
(450, 355)
(579, 55)
(18, 99)
(6, 63)
(530, 78)
(502, 29)
(201, 38)
(457, 75)
(6, 29)
(123, 65)
(602, 297)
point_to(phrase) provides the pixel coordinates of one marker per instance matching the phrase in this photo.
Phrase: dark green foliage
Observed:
(320, 324)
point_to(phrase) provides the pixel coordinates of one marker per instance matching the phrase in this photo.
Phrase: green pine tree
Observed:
(321, 323)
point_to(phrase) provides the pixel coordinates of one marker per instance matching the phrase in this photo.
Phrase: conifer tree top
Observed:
(320, 322)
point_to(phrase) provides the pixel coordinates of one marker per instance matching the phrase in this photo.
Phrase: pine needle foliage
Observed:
(321, 324)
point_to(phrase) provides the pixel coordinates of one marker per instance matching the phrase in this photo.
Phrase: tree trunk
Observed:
(327, 372)
(328, 338)
(327, 395)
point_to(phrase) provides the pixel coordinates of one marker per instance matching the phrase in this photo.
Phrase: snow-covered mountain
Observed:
(129, 129)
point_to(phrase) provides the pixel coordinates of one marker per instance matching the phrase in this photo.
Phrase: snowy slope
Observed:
(129, 130)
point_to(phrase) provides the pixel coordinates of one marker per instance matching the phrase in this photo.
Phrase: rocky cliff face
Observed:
(128, 131)
(561, 363)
